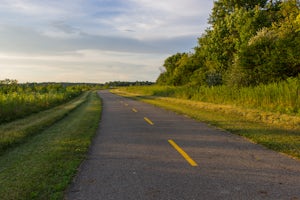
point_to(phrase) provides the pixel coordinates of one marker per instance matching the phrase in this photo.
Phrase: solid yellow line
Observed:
(185, 155)
(148, 120)
(134, 110)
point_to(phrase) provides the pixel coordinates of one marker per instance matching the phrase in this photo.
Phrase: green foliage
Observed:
(248, 43)
(42, 167)
(16, 132)
(125, 83)
(273, 54)
(173, 69)
(19, 100)
(179, 69)
(282, 97)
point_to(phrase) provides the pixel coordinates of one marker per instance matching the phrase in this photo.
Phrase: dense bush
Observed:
(19, 100)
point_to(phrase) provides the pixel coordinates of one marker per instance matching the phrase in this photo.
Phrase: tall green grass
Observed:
(42, 167)
(17, 101)
(282, 97)
(16, 132)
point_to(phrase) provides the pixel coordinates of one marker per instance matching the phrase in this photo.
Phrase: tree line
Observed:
(248, 42)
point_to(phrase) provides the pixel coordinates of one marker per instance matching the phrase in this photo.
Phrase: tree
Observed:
(249, 42)
(273, 54)
(228, 34)
(170, 64)
(222, 8)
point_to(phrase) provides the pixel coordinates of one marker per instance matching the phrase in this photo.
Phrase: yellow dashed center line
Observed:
(183, 153)
(134, 110)
(148, 120)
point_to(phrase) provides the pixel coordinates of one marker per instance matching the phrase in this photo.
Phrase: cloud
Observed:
(91, 65)
(63, 27)
(161, 19)
(22, 39)
(42, 9)
(96, 40)
(61, 30)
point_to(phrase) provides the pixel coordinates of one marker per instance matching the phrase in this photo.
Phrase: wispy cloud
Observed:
(92, 65)
(160, 19)
(101, 40)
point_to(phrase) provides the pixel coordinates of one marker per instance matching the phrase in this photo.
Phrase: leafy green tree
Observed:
(227, 35)
(222, 8)
(247, 43)
(170, 65)
(273, 54)
(185, 68)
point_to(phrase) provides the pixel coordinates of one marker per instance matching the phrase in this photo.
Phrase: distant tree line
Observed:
(127, 83)
(248, 42)
(12, 85)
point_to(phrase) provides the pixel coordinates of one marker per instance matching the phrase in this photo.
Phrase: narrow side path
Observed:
(132, 158)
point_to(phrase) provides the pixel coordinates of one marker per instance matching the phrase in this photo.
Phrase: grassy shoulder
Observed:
(282, 97)
(279, 132)
(16, 132)
(42, 167)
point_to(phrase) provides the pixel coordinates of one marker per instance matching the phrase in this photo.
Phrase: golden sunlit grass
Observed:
(282, 97)
(280, 132)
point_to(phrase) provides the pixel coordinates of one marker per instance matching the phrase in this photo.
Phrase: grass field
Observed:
(43, 164)
(11, 134)
(282, 97)
(280, 132)
(20, 100)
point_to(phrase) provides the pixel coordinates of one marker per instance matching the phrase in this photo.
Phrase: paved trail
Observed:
(132, 158)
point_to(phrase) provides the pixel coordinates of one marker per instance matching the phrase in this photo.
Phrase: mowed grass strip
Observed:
(277, 132)
(16, 132)
(43, 167)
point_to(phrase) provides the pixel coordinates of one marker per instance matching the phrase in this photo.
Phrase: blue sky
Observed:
(95, 40)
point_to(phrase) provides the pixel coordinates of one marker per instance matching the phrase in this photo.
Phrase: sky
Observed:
(96, 41)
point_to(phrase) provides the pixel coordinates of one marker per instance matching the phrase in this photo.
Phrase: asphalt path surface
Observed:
(133, 157)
